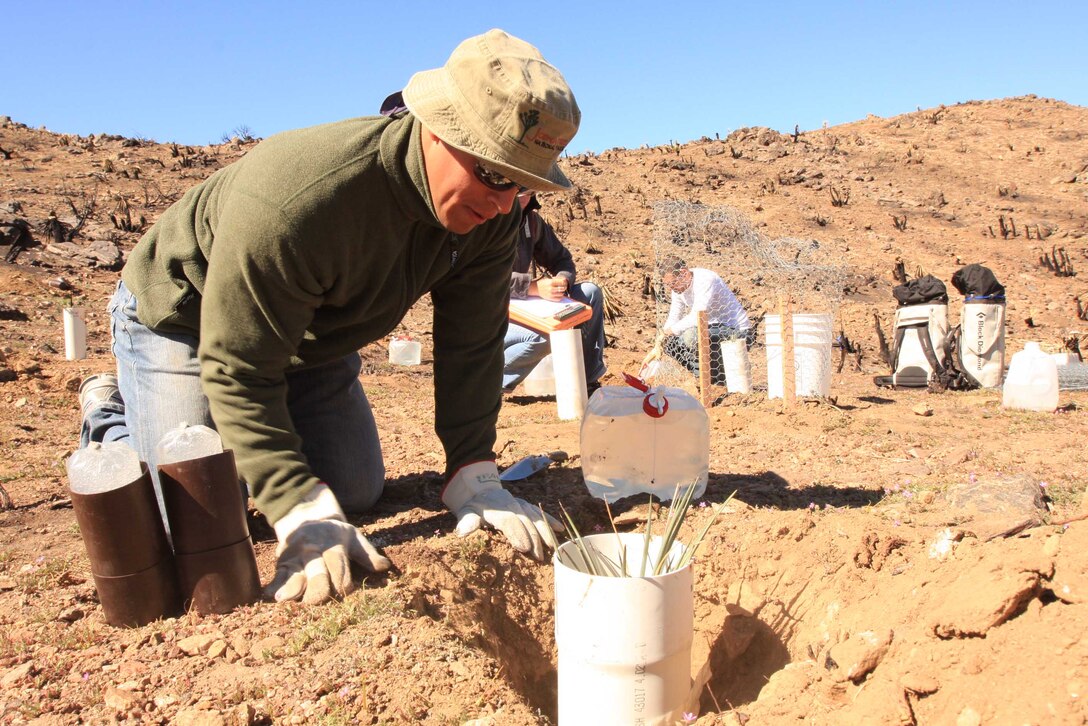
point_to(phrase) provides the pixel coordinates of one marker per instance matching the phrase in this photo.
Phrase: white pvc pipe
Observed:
(812, 340)
(624, 642)
(570, 373)
(736, 366)
(75, 334)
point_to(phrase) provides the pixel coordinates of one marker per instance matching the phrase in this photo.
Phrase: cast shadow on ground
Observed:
(562, 488)
(768, 489)
(880, 400)
(402, 494)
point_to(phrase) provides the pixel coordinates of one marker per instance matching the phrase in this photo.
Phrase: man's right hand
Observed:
(316, 549)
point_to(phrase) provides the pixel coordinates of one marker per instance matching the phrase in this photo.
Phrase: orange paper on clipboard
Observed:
(546, 315)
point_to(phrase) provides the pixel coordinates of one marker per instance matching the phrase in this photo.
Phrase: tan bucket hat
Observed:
(499, 100)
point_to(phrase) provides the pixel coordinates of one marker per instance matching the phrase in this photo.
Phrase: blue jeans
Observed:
(159, 378)
(524, 347)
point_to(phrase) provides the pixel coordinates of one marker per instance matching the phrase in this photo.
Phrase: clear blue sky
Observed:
(643, 72)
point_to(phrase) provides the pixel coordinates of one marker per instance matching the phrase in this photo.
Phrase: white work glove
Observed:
(476, 497)
(316, 548)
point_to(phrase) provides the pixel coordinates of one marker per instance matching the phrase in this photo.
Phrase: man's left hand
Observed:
(316, 549)
(552, 288)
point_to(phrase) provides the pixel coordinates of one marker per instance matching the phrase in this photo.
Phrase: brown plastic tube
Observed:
(204, 503)
(219, 580)
(217, 568)
(130, 557)
(130, 601)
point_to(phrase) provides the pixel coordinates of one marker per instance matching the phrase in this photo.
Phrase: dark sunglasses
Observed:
(494, 180)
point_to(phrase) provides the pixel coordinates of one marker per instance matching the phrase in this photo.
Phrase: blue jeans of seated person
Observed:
(525, 348)
(159, 378)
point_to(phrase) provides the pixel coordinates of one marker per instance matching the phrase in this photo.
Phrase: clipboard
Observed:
(545, 315)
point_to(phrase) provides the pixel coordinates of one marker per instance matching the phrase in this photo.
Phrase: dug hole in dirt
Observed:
(889, 556)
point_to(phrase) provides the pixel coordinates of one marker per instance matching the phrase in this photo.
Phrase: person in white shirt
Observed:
(693, 290)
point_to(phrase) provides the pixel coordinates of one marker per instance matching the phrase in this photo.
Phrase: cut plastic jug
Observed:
(624, 642)
(217, 567)
(644, 440)
(1032, 381)
(188, 442)
(103, 467)
(118, 517)
(737, 366)
(404, 351)
(541, 380)
(812, 337)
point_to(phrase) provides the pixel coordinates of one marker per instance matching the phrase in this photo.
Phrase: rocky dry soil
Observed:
(890, 556)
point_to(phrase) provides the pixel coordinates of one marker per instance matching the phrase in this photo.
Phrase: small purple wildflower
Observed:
(598, 528)
(1043, 484)
(689, 717)
(972, 477)
(811, 506)
(908, 495)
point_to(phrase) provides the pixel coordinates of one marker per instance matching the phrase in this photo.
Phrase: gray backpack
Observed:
(921, 330)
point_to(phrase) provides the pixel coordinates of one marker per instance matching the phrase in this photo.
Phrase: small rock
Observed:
(164, 700)
(6, 583)
(858, 656)
(193, 717)
(119, 700)
(217, 649)
(267, 647)
(968, 717)
(244, 714)
(196, 644)
(923, 409)
(920, 684)
(240, 645)
(71, 615)
(17, 674)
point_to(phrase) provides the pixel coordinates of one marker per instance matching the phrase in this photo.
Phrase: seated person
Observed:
(538, 248)
(694, 289)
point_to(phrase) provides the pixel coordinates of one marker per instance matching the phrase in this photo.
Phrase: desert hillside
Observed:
(890, 556)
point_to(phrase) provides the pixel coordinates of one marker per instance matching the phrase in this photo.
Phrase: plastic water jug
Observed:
(1032, 380)
(638, 440)
(404, 351)
(103, 467)
(186, 443)
(541, 380)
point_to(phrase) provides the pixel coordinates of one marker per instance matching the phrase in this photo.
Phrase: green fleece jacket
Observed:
(313, 245)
